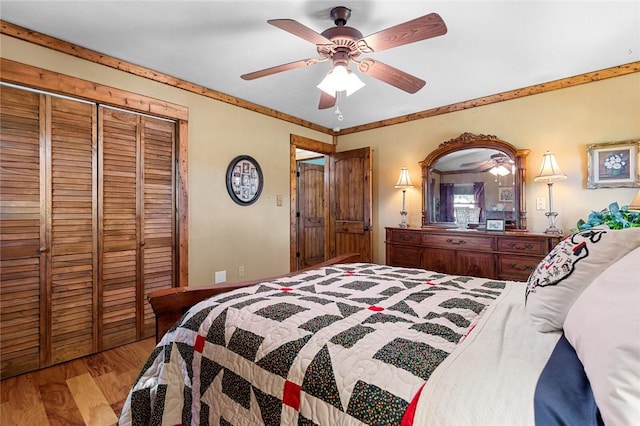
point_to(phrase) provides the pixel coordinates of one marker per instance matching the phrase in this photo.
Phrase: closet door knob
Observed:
(142, 243)
(42, 250)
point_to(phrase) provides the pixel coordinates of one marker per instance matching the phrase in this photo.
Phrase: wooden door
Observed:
(72, 257)
(350, 203)
(48, 227)
(87, 226)
(310, 214)
(119, 236)
(158, 239)
(137, 221)
(22, 232)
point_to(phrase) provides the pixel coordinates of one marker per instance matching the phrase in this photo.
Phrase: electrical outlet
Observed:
(220, 277)
(241, 271)
(540, 204)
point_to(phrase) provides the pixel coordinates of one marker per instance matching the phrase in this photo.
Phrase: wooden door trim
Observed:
(297, 141)
(41, 79)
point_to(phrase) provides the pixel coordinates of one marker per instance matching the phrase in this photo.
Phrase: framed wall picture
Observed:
(613, 165)
(244, 180)
(505, 194)
(495, 225)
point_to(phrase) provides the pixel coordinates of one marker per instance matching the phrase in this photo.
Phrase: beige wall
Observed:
(223, 235)
(562, 121)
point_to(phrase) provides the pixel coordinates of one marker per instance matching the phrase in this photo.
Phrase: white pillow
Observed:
(569, 268)
(603, 326)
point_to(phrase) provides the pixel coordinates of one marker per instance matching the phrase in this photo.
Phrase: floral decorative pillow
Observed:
(569, 268)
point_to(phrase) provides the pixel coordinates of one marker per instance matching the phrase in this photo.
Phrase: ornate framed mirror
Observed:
(472, 178)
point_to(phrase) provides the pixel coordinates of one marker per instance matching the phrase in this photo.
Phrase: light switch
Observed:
(279, 200)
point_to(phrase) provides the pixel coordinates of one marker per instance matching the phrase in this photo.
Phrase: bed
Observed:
(348, 343)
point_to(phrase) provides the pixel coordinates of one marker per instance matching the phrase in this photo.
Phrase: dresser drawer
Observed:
(459, 242)
(535, 246)
(399, 255)
(406, 237)
(516, 268)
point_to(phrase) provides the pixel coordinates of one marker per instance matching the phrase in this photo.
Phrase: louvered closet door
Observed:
(72, 277)
(158, 227)
(48, 230)
(21, 232)
(119, 226)
(137, 221)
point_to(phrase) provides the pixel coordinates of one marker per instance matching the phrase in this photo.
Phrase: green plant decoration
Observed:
(615, 217)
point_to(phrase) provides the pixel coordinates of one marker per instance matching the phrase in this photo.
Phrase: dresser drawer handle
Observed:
(456, 242)
(520, 247)
(405, 237)
(517, 267)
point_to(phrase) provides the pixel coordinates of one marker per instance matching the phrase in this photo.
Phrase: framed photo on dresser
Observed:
(495, 225)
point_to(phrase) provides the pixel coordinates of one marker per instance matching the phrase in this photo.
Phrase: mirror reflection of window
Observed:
(463, 196)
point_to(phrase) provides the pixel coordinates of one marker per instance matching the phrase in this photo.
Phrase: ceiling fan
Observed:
(497, 164)
(342, 45)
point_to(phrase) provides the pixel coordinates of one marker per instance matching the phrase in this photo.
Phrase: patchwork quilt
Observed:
(345, 344)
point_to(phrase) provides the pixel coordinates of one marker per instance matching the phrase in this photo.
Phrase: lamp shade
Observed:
(549, 171)
(404, 181)
(635, 204)
(340, 79)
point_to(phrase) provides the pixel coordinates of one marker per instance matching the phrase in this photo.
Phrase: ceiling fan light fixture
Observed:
(340, 79)
(499, 170)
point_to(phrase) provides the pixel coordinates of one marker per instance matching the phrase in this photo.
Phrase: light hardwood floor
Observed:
(86, 391)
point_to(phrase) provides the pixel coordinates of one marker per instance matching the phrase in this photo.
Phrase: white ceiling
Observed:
(490, 46)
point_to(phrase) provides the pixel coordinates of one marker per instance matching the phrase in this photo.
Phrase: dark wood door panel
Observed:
(311, 228)
(350, 205)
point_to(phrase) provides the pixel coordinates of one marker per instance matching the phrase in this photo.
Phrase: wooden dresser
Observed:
(498, 255)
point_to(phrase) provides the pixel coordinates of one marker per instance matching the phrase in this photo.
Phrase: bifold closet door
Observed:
(48, 230)
(22, 234)
(137, 213)
(72, 203)
(159, 210)
(119, 135)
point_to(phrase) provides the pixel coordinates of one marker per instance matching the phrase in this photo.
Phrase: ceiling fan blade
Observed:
(481, 163)
(296, 28)
(326, 100)
(391, 75)
(280, 68)
(422, 28)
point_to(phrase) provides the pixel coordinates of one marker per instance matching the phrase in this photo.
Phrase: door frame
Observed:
(297, 141)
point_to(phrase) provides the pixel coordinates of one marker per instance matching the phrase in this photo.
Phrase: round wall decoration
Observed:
(244, 180)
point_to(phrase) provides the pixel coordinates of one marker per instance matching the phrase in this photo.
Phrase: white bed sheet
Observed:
(490, 378)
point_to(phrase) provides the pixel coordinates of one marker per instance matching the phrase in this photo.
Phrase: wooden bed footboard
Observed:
(171, 303)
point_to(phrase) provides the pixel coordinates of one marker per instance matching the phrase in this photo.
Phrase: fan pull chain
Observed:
(337, 112)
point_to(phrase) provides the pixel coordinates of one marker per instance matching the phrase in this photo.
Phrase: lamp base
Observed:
(552, 230)
(403, 220)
